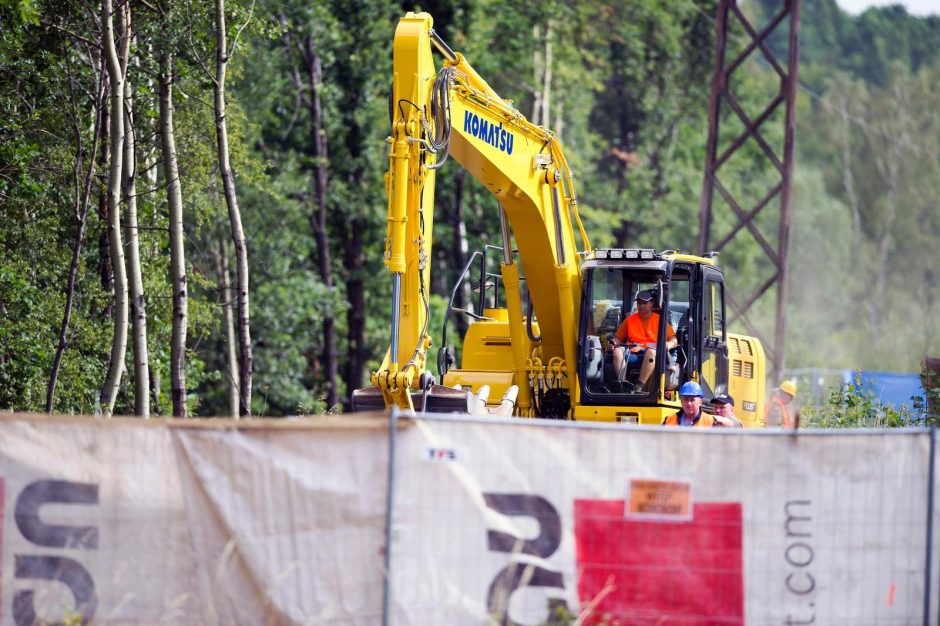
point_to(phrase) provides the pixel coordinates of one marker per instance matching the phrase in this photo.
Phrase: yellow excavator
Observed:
(538, 344)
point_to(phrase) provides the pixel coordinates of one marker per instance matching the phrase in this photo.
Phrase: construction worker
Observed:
(724, 411)
(691, 413)
(638, 334)
(776, 413)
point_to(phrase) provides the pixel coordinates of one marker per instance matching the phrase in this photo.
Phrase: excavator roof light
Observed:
(631, 254)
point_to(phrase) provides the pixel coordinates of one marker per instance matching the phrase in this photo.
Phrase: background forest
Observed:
(234, 211)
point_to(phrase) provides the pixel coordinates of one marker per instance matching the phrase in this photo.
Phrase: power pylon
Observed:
(721, 95)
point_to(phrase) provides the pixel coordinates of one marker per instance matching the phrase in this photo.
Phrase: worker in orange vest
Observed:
(776, 413)
(691, 413)
(636, 336)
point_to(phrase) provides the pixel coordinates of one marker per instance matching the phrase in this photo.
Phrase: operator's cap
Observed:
(645, 295)
(723, 398)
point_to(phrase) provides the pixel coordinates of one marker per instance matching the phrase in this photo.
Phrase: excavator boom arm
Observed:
(454, 112)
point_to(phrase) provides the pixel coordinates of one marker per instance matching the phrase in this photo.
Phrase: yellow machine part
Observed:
(487, 358)
(746, 379)
(649, 415)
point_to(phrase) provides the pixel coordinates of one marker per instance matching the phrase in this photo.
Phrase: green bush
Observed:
(849, 406)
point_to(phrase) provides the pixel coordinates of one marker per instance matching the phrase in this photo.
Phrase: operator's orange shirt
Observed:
(635, 330)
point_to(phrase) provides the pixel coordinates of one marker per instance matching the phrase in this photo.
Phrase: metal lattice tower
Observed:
(744, 218)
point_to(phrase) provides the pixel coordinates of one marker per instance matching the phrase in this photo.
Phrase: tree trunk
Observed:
(356, 313)
(546, 119)
(848, 178)
(238, 234)
(318, 219)
(461, 253)
(231, 348)
(542, 68)
(138, 304)
(82, 197)
(626, 135)
(155, 388)
(848, 183)
(888, 160)
(177, 251)
(559, 126)
(105, 275)
(536, 75)
(353, 230)
(119, 344)
(149, 149)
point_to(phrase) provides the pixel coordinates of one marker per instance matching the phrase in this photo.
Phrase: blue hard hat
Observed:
(691, 388)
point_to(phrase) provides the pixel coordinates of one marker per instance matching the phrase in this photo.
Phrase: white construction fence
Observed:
(446, 520)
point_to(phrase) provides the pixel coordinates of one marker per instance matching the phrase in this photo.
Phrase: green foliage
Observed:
(861, 288)
(865, 46)
(43, 94)
(864, 221)
(629, 89)
(848, 406)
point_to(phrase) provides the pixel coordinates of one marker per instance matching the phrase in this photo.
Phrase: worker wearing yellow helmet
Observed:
(776, 413)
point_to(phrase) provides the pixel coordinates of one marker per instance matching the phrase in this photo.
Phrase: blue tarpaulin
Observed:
(889, 388)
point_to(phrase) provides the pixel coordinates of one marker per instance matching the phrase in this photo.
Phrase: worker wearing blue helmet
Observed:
(691, 412)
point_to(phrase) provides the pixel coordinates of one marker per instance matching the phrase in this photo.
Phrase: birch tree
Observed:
(177, 250)
(136, 284)
(231, 341)
(119, 343)
(231, 200)
(542, 67)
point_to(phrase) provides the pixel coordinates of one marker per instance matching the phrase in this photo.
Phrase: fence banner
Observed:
(196, 522)
(516, 522)
(493, 522)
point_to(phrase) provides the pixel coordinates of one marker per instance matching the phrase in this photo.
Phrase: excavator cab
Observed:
(688, 296)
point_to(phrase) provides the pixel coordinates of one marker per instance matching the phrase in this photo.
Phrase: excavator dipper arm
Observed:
(454, 112)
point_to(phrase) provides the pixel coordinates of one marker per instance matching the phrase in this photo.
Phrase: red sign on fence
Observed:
(641, 573)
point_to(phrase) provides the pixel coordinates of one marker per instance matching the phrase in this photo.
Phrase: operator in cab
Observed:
(637, 336)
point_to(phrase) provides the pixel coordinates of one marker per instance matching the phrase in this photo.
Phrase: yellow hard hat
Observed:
(788, 386)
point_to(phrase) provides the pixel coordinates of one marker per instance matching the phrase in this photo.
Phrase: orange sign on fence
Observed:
(659, 499)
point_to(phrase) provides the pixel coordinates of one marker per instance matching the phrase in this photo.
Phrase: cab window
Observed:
(713, 329)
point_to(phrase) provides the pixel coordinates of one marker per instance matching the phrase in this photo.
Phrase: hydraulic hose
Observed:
(440, 113)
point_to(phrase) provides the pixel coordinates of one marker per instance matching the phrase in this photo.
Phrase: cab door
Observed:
(714, 335)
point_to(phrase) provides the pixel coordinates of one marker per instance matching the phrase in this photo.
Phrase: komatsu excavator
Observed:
(538, 342)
